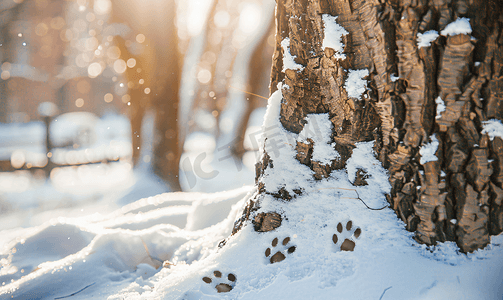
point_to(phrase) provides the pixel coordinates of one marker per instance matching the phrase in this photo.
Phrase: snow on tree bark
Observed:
(444, 169)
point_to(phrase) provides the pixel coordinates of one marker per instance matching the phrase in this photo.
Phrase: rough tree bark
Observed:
(421, 97)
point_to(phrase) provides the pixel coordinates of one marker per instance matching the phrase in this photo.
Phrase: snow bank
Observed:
(104, 254)
(460, 26)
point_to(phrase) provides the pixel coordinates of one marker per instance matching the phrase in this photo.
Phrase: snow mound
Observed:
(104, 254)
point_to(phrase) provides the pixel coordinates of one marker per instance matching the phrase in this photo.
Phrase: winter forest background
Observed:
(110, 108)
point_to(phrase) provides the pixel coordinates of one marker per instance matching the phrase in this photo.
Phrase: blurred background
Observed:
(104, 102)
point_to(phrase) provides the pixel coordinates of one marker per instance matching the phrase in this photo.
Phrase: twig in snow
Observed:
(148, 252)
(358, 198)
(75, 292)
(380, 298)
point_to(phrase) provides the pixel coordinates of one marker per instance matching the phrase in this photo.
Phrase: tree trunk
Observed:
(153, 79)
(420, 80)
(166, 98)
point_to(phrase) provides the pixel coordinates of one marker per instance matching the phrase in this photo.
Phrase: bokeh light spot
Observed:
(126, 98)
(94, 70)
(221, 18)
(108, 97)
(5, 75)
(120, 66)
(140, 38)
(41, 29)
(113, 52)
(204, 76)
(79, 102)
(102, 7)
(131, 62)
(57, 23)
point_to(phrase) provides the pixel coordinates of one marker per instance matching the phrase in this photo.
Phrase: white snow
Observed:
(493, 128)
(460, 26)
(280, 145)
(332, 35)
(428, 150)
(425, 39)
(319, 129)
(363, 157)
(119, 255)
(440, 107)
(355, 84)
(288, 58)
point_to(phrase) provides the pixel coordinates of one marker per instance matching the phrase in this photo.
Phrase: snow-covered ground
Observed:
(167, 246)
(120, 255)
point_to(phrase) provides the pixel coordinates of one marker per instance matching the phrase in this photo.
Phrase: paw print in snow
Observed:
(344, 240)
(279, 255)
(219, 282)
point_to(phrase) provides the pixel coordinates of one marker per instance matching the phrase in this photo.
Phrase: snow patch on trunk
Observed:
(428, 151)
(332, 35)
(280, 144)
(440, 107)
(319, 130)
(288, 58)
(460, 26)
(425, 39)
(493, 128)
(355, 84)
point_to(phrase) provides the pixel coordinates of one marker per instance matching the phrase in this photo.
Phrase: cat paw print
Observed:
(346, 236)
(222, 285)
(282, 249)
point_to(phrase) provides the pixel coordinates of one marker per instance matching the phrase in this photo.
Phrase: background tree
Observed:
(153, 78)
(434, 75)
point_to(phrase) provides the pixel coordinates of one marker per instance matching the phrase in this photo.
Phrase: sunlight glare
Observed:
(102, 7)
(249, 19)
(221, 19)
